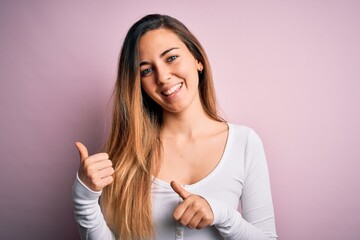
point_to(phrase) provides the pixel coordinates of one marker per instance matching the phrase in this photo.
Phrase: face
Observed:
(169, 72)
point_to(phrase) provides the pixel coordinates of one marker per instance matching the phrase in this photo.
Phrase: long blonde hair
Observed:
(134, 143)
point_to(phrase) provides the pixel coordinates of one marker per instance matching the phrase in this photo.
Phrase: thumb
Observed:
(179, 190)
(82, 151)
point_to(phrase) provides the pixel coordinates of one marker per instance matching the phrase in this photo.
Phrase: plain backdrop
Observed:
(288, 69)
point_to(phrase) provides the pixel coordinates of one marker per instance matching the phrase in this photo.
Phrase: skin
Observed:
(95, 171)
(192, 142)
(165, 62)
(187, 130)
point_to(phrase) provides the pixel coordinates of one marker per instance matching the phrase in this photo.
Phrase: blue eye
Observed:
(172, 58)
(145, 72)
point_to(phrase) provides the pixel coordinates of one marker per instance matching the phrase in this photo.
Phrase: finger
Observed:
(202, 224)
(98, 170)
(98, 180)
(183, 215)
(195, 220)
(179, 190)
(185, 211)
(104, 173)
(180, 211)
(98, 160)
(84, 154)
(107, 181)
(104, 164)
(101, 183)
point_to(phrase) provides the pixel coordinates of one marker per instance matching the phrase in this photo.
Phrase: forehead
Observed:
(158, 41)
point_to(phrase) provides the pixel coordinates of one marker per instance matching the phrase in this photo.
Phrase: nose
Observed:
(163, 74)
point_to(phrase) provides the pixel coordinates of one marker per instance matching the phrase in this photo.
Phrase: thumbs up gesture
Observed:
(94, 171)
(194, 211)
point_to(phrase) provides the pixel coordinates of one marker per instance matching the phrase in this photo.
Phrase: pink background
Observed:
(288, 69)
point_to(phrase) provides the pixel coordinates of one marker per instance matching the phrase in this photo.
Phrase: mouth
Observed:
(172, 90)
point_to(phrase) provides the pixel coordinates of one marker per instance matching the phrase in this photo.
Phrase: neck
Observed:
(188, 124)
(184, 125)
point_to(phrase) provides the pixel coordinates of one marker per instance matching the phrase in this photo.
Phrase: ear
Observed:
(200, 66)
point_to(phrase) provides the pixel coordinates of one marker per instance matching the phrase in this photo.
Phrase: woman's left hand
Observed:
(194, 211)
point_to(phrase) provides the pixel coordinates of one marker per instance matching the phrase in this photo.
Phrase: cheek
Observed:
(191, 74)
(192, 64)
(187, 70)
(148, 87)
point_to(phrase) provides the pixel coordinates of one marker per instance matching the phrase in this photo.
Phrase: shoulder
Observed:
(253, 149)
(247, 133)
(245, 137)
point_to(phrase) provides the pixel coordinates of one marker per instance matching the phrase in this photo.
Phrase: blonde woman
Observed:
(173, 169)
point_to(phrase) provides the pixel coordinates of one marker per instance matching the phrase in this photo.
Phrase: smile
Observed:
(172, 90)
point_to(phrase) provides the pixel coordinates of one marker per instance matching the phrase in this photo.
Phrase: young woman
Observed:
(177, 170)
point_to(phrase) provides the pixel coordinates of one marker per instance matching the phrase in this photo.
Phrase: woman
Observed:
(177, 170)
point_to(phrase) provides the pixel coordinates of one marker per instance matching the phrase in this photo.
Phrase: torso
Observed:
(224, 184)
(188, 160)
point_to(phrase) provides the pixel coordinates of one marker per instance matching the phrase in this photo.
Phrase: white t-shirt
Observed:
(240, 180)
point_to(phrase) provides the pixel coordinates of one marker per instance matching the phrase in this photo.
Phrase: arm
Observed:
(95, 172)
(257, 218)
(88, 214)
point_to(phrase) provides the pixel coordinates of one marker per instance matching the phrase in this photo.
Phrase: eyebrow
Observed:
(161, 55)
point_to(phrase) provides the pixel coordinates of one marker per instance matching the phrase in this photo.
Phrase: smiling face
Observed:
(169, 72)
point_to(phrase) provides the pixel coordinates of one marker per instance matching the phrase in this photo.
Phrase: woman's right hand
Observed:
(95, 171)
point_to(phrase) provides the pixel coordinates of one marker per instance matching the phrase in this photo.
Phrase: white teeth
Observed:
(172, 90)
